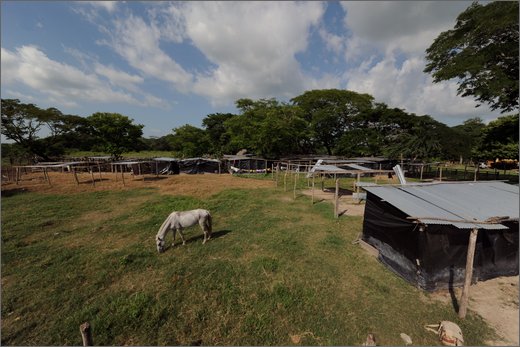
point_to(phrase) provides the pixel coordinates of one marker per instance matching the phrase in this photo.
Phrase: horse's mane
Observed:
(164, 228)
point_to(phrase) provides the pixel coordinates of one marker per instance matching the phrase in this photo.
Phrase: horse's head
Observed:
(160, 244)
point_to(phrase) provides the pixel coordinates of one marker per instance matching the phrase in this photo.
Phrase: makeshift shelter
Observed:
(422, 231)
(199, 165)
(246, 164)
(166, 166)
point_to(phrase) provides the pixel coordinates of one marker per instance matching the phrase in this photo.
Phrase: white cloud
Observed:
(109, 6)
(118, 78)
(407, 87)
(138, 43)
(410, 26)
(252, 44)
(62, 84)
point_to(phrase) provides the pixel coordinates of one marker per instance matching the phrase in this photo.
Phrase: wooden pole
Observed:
(92, 175)
(285, 180)
(17, 175)
(123, 174)
(75, 176)
(422, 168)
(312, 201)
(469, 273)
(336, 199)
(357, 184)
(296, 176)
(476, 171)
(86, 334)
(114, 169)
(47, 176)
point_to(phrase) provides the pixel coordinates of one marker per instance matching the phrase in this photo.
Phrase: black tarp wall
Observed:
(435, 258)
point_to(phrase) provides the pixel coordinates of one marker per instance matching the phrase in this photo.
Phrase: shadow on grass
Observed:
(12, 192)
(214, 235)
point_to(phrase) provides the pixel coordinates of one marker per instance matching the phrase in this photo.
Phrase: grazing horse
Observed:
(179, 220)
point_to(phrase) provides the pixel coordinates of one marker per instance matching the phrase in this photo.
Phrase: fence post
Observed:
(86, 334)
(336, 199)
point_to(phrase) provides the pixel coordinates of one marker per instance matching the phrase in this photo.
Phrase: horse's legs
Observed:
(173, 231)
(182, 236)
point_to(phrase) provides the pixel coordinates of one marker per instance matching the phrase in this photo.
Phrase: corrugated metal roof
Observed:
(165, 159)
(439, 203)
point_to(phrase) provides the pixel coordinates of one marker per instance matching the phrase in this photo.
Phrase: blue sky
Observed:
(166, 64)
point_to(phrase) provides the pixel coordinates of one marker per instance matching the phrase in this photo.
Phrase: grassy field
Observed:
(277, 271)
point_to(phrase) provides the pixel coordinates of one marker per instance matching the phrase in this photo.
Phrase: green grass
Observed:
(274, 268)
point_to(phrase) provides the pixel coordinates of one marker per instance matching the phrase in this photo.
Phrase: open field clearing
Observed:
(277, 270)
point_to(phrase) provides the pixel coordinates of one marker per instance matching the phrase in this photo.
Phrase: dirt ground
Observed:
(495, 300)
(200, 185)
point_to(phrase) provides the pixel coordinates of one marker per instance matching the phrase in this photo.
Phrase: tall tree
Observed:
(500, 139)
(329, 112)
(189, 141)
(24, 123)
(115, 132)
(215, 127)
(482, 53)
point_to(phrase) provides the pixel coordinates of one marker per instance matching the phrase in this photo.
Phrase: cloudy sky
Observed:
(166, 64)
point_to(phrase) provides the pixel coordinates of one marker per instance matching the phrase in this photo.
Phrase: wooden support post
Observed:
(75, 175)
(440, 174)
(17, 175)
(92, 175)
(312, 201)
(422, 168)
(99, 170)
(296, 177)
(86, 334)
(469, 273)
(476, 173)
(285, 180)
(114, 169)
(336, 199)
(46, 173)
(123, 174)
(357, 184)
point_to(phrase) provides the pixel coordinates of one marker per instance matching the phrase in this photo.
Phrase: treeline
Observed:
(334, 122)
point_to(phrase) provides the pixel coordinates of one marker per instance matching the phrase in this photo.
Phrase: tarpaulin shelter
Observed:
(421, 231)
(199, 165)
(166, 166)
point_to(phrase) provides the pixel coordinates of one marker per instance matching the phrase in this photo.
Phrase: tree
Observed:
(500, 139)
(482, 53)
(469, 136)
(23, 123)
(116, 133)
(329, 112)
(216, 130)
(189, 141)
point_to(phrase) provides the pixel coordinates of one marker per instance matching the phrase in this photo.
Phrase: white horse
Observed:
(179, 220)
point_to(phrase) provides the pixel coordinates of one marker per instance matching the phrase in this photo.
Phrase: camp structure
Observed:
(422, 231)
(166, 166)
(199, 165)
(247, 163)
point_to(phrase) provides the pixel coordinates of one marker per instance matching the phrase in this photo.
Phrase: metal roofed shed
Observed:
(422, 230)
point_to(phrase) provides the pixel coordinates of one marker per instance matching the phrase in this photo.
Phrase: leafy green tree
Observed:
(482, 53)
(189, 141)
(500, 139)
(268, 128)
(23, 123)
(116, 133)
(468, 137)
(215, 127)
(330, 113)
